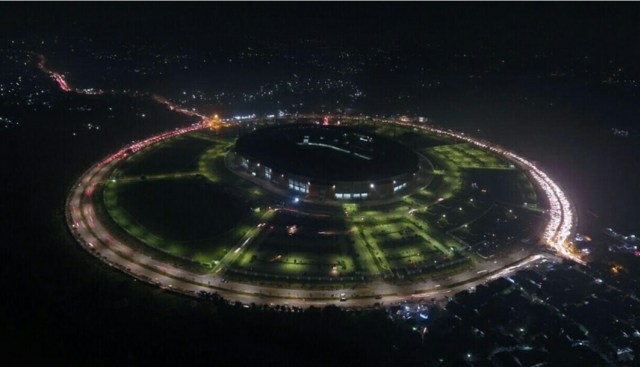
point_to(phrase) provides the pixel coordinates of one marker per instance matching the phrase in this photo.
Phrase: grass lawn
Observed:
(178, 196)
(302, 245)
(185, 217)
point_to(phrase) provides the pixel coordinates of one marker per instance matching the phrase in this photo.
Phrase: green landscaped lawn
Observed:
(187, 217)
(297, 263)
(168, 197)
(313, 249)
(189, 204)
(464, 155)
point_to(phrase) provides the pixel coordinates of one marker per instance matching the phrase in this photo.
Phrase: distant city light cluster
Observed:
(7, 122)
(179, 109)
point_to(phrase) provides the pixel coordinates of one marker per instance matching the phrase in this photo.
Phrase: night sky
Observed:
(603, 29)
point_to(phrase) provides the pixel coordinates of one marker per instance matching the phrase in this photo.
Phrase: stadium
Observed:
(322, 162)
(310, 210)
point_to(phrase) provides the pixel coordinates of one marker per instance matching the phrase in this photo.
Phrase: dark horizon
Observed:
(553, 27)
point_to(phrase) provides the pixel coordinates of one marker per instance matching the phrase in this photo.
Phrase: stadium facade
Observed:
(327, 162)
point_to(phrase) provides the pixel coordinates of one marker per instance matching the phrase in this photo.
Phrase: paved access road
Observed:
(98, 239)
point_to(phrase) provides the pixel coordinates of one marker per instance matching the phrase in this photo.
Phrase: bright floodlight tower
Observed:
(328, 162)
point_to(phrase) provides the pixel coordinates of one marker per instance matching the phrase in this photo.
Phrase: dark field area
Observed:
(189, 210)
(506, 186)
(417, 140)
(498, 226)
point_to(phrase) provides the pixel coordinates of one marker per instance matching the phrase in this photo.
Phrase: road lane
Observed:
(96, 238)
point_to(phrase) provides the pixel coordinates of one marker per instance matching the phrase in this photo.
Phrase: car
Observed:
(343, 297)
(379, 296)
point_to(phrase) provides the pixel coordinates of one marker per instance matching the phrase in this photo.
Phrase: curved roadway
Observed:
(96, 238)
